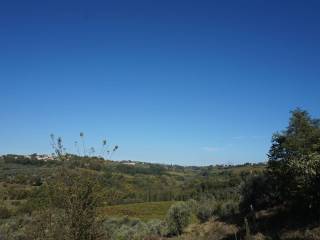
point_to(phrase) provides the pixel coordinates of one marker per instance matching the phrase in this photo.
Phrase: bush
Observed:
(193, 205)
(15, 203)
(178, 217)
(15, 193)
(4, 212)
(138, 231)
(226, 209)
(205, 210)
(132, 229)
(157, 228)
(209, 207)
(46, 224)
(256, 193)
(68, 205)
(27, 207)
(12, 229)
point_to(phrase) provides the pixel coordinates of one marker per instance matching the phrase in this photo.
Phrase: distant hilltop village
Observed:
(34, 156)
(47, 157)
(44, 157)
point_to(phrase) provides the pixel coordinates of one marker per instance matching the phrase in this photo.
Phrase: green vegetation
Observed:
(287, 192)
(67, 207)
(131, 197)
(144, 211)
(179, 217)
(86, 197)
(294, 166)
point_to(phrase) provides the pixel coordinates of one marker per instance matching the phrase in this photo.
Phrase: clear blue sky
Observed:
(185, 82)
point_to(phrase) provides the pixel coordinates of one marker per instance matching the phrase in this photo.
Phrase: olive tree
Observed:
(178, 217)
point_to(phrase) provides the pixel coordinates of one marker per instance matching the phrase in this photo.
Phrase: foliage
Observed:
(43, 189)
(150, 169)
(142, 182)
(294, 162)
(227, 208)
(192, 205)
(4, 212)
(157, 228)
(178, 217)
(205, 210)
(69, 208)
(131, 228)
(256, 193)
(144, 211)
(13, 228)
(212, 229)
(212, 208)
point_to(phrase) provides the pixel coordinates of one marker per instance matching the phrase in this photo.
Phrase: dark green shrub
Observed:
(4, 212)
(256, 193)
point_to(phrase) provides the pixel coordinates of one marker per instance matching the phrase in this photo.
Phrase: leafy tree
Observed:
(294, 162)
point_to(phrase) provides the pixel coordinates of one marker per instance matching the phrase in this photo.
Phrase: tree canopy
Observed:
(294, 162)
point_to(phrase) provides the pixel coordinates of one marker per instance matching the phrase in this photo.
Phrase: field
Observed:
(144, 211)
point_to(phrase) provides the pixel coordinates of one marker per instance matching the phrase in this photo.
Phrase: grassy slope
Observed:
(144, 211)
